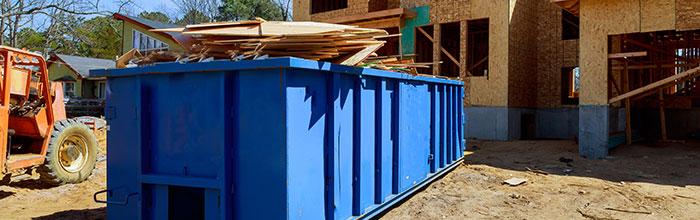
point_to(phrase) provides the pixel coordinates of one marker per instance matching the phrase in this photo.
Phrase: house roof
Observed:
(151, 24)
(65, 79)
(82, 65)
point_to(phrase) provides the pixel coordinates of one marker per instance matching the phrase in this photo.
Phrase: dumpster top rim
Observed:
(271, 63)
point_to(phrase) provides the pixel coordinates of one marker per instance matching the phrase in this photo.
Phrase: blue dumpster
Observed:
(281, 138)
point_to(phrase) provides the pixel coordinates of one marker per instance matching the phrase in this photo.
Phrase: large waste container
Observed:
(280, 138)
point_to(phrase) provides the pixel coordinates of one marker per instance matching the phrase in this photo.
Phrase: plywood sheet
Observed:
(596, 24)
(492, 90)
(480, 8)
(687, 15)
(302, 10)
(414, 3)
(449, 11)
(611, 17)
(522, 53)
(658, 15)
(355, 7)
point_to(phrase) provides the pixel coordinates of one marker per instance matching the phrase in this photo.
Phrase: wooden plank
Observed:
(656, 84)
(383, 23)
(628, 106)
(396, 12)
(627, 55)
(358, 57)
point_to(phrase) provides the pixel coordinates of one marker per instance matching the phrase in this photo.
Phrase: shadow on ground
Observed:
(84, 214)
(32, 184)
(651, 162)
(5, 194)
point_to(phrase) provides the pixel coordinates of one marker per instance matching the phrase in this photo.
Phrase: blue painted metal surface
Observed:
(281, 138)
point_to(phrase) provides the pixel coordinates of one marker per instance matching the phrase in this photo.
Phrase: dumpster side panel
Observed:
(364, 161)
(414, 132)
(259, 156)
(306, 128)
(187, 134)
(123, 116)
(342, 136)
(385, 139)
(434, 129)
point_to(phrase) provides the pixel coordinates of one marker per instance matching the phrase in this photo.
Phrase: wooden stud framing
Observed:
(441, 48)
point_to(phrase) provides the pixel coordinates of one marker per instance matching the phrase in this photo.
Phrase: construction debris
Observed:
(260, 39)
(515, 181)
(341, 44)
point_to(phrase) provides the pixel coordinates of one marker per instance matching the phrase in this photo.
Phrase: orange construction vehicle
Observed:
(34, 131)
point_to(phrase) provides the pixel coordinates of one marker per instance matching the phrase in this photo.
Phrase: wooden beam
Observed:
(656, 84)
(478, 63)
(655, 66)
(441, 48)
(396, 12)
(662, 115)
(610, 77)
(651, 92)
(627, 55)
(379, 24)
(649, 47)
(628, 105)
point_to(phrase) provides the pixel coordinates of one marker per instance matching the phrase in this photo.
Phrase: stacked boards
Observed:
(341, 44)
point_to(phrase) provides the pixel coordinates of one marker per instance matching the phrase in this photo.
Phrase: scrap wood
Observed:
(628, 211)
(342, 44)
(536, 171)
(123, 60)
(515, 181)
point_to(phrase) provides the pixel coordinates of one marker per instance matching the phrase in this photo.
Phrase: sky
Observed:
(142, 5)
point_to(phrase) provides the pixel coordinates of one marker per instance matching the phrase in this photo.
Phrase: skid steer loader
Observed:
(34, 131)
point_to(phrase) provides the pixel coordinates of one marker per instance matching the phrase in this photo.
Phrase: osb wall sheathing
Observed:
(600, 18)
(553, 54)
(655, 15)
(522, 64)
(616, 75)
(687, 15)
(413, 3)
(355, 7)
(302, 10)
(480, 91)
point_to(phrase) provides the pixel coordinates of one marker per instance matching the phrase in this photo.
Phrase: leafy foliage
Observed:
(238, 10)
(193, 17)
(155, 16)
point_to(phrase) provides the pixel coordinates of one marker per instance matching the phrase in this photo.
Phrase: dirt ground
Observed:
(33, 199)
(643, 181)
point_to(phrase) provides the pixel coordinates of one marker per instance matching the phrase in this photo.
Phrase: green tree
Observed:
(100, 37)
(193, 17)
(155, 16)
(238, 10)
(30, 39)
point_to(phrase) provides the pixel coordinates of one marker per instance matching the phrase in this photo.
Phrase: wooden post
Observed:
(628, 106)
(662, 114)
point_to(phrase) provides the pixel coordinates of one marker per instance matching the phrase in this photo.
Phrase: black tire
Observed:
(71, 155)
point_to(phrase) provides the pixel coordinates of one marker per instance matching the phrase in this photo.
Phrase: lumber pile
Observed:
(341, 44)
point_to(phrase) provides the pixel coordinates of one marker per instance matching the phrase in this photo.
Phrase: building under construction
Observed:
(548, 69)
